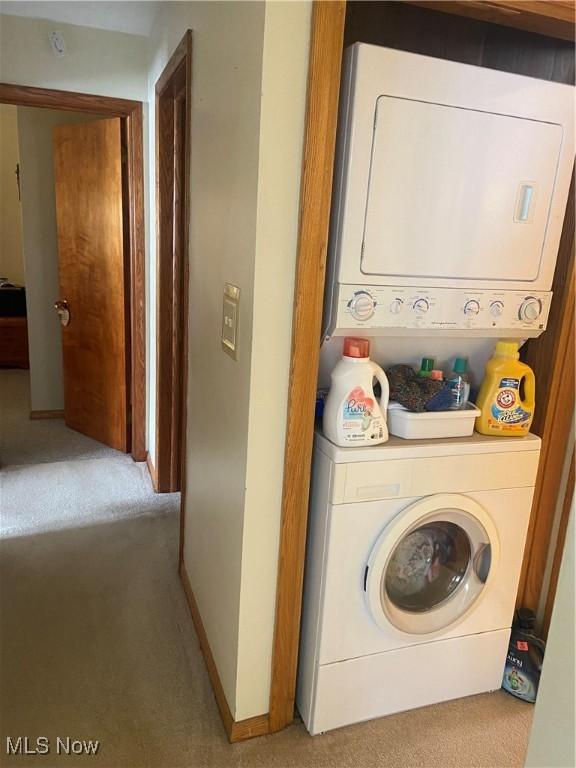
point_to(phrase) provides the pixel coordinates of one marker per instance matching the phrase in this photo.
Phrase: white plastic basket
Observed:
(418, 426)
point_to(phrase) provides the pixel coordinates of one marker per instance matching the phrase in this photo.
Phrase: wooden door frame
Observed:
(327, 35)
(552, 358)
(172, 270)
(559, 548)
(130, 113)
(320, 128)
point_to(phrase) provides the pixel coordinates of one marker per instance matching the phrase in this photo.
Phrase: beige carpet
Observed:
(96, 643)
(25, 441)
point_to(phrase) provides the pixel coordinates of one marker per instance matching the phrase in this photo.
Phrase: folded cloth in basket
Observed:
(417, 393)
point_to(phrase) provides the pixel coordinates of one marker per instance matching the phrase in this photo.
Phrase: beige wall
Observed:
(248, 102)
(96, 61)
(11, 261)
(227, 62)
(40, 247)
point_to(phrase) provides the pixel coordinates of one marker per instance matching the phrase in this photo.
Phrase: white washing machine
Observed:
(414, 555)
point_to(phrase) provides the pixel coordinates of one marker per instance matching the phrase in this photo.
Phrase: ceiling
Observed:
(136, 18)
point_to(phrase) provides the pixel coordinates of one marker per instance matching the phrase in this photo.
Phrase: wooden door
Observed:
(88, 184)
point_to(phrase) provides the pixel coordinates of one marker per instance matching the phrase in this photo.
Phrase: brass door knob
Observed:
(61, 308)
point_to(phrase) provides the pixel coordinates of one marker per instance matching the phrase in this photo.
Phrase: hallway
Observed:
(97, 641)
(49, 468)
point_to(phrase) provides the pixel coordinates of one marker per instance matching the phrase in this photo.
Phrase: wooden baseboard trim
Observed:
(46, 414)
(235, 730)
(249, 728)
(152, 471)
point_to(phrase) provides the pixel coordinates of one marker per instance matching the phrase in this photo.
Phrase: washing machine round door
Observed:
(431, 564)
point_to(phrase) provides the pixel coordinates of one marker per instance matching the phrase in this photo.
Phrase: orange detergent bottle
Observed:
(506, 397)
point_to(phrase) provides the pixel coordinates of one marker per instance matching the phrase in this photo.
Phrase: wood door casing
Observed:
(173, 111)
(315, 195)
(89, 217)
(559, 547)
(554, 18)
(551, 356)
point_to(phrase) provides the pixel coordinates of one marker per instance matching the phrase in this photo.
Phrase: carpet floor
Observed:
(96, 640)
(26, 441)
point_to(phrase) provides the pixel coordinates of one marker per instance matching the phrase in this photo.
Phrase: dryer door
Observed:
(457, 193)
(431, 564)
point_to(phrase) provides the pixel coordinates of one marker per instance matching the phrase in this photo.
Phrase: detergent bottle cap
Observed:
(358, 348)
(525, 618)
(436, 374)
(460, 365)
(507, 348)
(427, 364)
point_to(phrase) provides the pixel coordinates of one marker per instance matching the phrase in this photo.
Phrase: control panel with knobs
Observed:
(472, 307)
(530, 309)
(496, 308)
(398, 310)
(362, 305)
(421, 305)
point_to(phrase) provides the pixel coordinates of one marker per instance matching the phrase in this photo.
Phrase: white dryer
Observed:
(450, 189)
(414, 555)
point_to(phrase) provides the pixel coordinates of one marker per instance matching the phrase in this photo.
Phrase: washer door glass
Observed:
(431, 564)
(427, 566)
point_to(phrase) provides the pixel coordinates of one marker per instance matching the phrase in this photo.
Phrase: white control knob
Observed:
(530, 309)
(421, 305)
(471, 307)
(362, 305)
(396, 306)
(496, 308)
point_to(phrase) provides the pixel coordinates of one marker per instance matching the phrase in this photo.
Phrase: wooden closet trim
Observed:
(173, 87)
(130, 113)
(552, 358)
(327, 34)
(559, 548)
(554, 18)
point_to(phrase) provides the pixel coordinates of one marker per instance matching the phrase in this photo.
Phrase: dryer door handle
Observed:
(482, 561)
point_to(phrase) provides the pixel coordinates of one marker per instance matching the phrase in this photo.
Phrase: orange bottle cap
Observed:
(358, 348)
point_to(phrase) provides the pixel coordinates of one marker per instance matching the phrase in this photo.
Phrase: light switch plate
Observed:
(230, 312)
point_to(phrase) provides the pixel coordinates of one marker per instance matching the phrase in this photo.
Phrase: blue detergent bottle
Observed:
(524, 659)
(459, 384)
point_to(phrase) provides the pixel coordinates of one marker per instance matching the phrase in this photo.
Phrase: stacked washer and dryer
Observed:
(449, 196)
